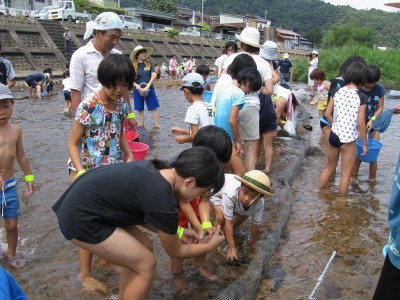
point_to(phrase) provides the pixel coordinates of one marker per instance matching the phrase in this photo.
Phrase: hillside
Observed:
(307, 17)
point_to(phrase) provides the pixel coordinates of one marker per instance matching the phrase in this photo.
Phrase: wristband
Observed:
(206, 225)
(131, 115)
(80, 173)
(148, 85)
(29, 178)
(373, 118)
(180, 232)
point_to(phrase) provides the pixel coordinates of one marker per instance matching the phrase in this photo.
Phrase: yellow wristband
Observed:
(180, 232)
(131, 115)
(80, 173)
(373, 118)
(148, 85)
(206, 225)
(29, 178)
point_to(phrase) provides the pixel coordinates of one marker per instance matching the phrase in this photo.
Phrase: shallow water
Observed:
(321, 222)
(356, 226)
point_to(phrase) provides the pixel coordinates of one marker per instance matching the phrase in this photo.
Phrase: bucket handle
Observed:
(146, 136)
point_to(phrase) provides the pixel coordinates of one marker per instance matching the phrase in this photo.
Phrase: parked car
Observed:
(130, 22)
(65, 10)
(3, 9)
(43, 13)
(194, 31)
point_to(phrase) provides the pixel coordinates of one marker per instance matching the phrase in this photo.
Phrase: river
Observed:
(355, 226)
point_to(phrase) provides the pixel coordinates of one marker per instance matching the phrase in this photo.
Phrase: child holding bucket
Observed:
(97, 137)
(376, 98)
(197, 211)
(199, 113)
(239, 199)
(348, 122)
(104, 209)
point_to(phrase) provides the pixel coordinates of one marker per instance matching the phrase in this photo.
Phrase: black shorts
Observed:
(334, 140)
(266, 128)
(388, 287)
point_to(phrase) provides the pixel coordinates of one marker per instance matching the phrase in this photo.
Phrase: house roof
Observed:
(150, 13)
(286, 32)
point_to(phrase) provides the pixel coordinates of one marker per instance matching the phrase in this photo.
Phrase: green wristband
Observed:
(29, 178)
(131, 115)
(80, 173)
(206, 225)
(180, 232)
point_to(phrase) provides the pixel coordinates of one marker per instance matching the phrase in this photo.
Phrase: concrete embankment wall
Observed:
(28, 45)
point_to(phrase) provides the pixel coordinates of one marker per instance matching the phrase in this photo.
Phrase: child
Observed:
(199, 114)
(239, 199)
(204, 71)
(102, 211)
(67, 91)
(49, 85)
(323, 86)
(97, 137)
(11, 148)
(376, 97)
(348, 107)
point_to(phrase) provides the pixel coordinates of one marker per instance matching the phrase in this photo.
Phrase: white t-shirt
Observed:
(228, 199)
(200, 114)
(219, 62)
(66, 83)
(280, 91)
(313, 65)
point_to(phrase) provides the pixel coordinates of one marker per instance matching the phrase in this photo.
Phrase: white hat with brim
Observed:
(256, 180)
(269, 50)
(249, 36)
(139, 48)
(286, 55)
(5, 92)
(314, 52)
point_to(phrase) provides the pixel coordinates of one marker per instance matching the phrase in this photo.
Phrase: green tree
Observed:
(349, 34)
(162, 5)
(314, 36)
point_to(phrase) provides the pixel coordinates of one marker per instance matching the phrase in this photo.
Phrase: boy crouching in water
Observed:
(240, 198)
(10, 148)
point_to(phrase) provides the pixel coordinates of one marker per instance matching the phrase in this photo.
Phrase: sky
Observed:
(364, 4)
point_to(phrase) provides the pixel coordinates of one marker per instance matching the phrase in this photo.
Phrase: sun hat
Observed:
(301, 95)
(5, 92)
(138, 48)
(249, 36)
(286, 55)
(104, 21)
(194, 80)
(268, 50)
(314, 52)
(257, 181)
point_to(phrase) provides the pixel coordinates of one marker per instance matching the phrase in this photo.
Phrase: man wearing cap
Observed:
(7, 73)
(312, 61)
(286, 69)
(67, 38)
(249, 116)
(107, 30)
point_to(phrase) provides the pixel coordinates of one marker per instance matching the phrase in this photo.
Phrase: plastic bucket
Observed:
(207, 96)
(374, 147)
(139, 150)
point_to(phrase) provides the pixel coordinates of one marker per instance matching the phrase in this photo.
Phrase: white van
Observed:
(130, 22)
(43, 13)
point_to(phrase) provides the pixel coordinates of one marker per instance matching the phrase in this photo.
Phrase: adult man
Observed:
(312, 61)
(249, 116)
(67, 38)
(173, 64)
(230, 48)
(286, 69)
(7, 73)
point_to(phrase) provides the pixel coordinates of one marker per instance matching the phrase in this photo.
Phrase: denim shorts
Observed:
(10, 202)
(151, 100)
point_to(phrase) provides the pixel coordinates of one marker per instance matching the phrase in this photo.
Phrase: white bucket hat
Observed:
(314, 52)
(249, 36)
(268, 50)
(148, 50)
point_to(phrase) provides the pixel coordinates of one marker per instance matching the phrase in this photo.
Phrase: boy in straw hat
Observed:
(239, 199)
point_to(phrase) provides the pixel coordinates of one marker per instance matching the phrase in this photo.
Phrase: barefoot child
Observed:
(67, 91)
(323, 86)
(348, 122)
(199, 113)
(11, 148)
(102, 211)
(376, 98)
(239, 199)
(97, 137)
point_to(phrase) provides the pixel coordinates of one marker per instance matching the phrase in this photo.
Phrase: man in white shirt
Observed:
(230, 48)
(312, 61)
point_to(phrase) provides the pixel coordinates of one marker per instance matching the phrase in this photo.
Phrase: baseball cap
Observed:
(194, 80)
(286, 55)
(5, 92)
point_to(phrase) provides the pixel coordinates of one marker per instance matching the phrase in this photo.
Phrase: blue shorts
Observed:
(334, 140)
(10, 205)
(151, 100)
(30, 81)
(67, 95)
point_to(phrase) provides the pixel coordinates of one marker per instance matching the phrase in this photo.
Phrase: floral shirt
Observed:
(99, 145)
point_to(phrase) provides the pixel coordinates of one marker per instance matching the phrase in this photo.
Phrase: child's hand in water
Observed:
(217, 237)
(231, 254)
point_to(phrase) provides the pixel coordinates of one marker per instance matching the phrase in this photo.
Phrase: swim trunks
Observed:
(9, 200)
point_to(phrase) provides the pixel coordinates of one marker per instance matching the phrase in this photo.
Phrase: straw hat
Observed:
(149, 51)
(249, 36)
(257, 181)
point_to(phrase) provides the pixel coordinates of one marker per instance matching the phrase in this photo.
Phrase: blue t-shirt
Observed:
(38, 77)
(9, 288)
(143, 75)
(226, 98)
(394, 219)
(285, 65)
(373, 95)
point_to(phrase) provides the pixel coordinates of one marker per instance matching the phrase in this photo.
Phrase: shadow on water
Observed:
(320, 221)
